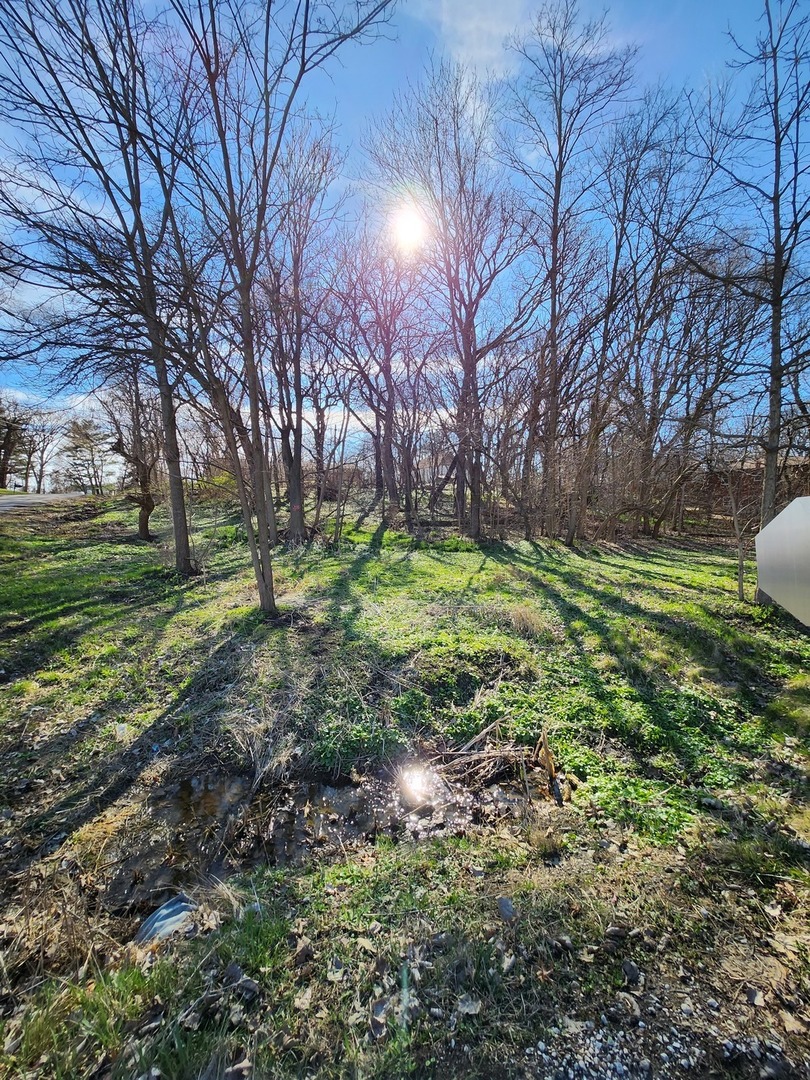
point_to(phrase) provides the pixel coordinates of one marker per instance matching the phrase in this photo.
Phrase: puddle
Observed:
(210, 827)
(199, 799)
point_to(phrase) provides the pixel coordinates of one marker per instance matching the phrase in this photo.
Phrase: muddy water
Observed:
(210, 826)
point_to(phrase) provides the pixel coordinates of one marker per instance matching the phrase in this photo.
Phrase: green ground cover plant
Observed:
(679, 713)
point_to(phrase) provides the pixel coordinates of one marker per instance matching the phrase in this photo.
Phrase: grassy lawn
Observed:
(678, 715)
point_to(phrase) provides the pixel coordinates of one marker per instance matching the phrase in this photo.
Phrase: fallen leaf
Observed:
(304, 999)
(232, 973)
(754, 997)
(786, 895)
(379, 1013)
(240, 1070)
(573, 1027)
(629, 1003)
(468, 1006)
(786, 945)
(303, 952)
(248, 988)
(792, 1024)
(337, 970)
(506, 909)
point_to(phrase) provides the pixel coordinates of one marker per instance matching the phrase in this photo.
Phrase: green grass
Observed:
(655, 684)
(409, 932)
(682, 712)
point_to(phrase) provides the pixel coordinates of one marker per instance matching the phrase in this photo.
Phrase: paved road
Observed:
(15, 502)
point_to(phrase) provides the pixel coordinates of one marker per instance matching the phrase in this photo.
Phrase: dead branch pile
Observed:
(487, 757)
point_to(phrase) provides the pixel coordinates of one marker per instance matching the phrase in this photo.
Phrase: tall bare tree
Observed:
(436, 149)
(87, 210)
(756, 202)
(13, 423)
(248, 63)
(40, 444)
(151, 144)
(383, 341)
(561, 105)
(292, 293)
(132, 410)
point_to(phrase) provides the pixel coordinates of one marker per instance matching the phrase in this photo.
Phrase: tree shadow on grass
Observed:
(106, 782)
(671, 720)
(34, 642)
(710, 639)
(357, 666)
(78, 587)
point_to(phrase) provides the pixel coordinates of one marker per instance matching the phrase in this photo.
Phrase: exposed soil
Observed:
(733, 1002)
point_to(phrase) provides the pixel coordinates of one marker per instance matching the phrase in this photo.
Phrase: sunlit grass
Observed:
(402, 642)
(681, 712)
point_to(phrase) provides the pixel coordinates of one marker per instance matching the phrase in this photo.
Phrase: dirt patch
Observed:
(717, 985)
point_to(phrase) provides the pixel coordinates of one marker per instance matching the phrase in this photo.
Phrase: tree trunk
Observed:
(474, 530)
(145, 508)
(774, 436)
(6, 450)
(379, 477)
(171, 447)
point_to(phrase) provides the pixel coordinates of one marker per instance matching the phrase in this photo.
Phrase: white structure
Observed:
(783, 559)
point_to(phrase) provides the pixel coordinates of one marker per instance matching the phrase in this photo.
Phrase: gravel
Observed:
(583, 1051)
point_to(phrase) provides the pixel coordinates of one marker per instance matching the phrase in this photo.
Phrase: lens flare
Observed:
(416, 783)
(409, 228)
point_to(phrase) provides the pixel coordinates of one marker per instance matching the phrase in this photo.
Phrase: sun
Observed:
(409, 228)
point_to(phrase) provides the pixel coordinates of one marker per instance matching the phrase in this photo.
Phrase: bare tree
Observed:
(291, 293)
(436, 147)
(13, 423)
(151, 147)
(381, 335)
(132, 410)
(756, 201)
(88, 199)
(733, 462)
(561, 106)
(248, 64)
(40, 443)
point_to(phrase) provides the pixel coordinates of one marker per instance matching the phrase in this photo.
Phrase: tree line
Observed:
(546, 303)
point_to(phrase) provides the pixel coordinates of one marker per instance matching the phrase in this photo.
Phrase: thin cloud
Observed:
(62, 402)
(473, 31)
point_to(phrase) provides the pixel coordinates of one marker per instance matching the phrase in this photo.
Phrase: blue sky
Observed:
(682, 42)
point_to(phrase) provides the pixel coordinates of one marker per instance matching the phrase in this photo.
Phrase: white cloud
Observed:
(54, 402)
(473, 31)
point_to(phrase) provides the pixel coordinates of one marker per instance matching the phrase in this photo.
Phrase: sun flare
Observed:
(409, 229)
(415, 782)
